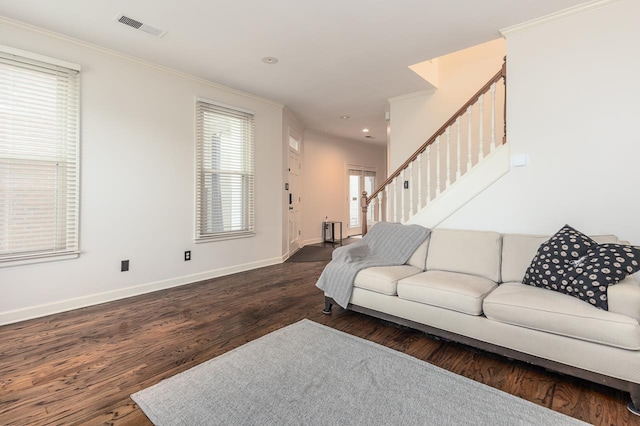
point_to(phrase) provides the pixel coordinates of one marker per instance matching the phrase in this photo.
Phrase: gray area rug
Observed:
(309, 374)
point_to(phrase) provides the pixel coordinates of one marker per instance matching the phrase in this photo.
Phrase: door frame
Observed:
(297, 150)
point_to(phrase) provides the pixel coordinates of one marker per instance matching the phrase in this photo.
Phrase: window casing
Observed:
(225, 171)
(39, 157)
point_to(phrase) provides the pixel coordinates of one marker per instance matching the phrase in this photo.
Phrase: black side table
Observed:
(329, 232)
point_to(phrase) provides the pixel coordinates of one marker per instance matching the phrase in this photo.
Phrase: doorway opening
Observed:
(294, 188)
(360, 179)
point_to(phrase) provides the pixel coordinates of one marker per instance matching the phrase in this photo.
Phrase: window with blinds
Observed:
(39, 143)
(225, 178)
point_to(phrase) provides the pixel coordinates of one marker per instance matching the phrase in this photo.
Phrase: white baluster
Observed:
(372, 209)
(387, 206)
(458, 149)
(469, 133)
(403, 178)
(481, 128)
(493, 117)
(419, 180)
(448, 165)
(437, 166)
(428, 175)
(395, 199)
(379, 198)
(411, 182)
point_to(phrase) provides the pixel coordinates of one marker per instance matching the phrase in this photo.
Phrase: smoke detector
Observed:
(135, 24)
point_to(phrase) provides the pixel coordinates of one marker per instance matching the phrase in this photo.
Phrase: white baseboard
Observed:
(311, 241)
(10, 317)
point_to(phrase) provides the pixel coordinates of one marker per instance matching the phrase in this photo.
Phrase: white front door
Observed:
(295, 200)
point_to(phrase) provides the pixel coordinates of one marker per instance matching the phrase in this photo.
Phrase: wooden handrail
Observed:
(500, 74)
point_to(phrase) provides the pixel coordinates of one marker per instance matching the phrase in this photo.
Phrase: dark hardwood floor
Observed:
(80, 367)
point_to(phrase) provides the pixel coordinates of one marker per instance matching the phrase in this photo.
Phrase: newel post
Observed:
(363, 204)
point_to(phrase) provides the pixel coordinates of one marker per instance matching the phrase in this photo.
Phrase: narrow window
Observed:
(225, 177)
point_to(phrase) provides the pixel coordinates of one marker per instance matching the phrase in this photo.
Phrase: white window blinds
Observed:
(225, 177)
(39, 170)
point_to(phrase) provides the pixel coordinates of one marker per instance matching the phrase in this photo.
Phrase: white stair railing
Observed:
(398, 202)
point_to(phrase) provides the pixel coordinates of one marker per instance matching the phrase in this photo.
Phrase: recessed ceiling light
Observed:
(345, 117)
(365, 130)
(270, 60)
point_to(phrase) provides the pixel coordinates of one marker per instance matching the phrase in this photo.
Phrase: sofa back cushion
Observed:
(518, 251)
(419, 257)
(468, 252)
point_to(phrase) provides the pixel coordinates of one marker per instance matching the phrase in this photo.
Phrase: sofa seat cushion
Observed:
(451, 290)
(553, 312)
(384, 279)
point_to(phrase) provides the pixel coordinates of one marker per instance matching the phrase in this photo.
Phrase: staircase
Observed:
(462, 158)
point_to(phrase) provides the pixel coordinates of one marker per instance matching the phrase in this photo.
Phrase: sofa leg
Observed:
(634, 405)
(327, 305)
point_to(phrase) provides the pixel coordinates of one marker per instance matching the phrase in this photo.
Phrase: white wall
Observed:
(137, 187)
(573, 107)
(325, 179)
(416, 117)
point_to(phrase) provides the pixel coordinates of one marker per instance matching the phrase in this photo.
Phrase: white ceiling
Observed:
(336, 57)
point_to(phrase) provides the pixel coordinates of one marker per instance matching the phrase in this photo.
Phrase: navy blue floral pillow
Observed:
(602, 266)
(551, 263)
(574, 264)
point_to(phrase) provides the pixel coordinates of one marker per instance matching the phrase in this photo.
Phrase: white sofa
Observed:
(466, 286)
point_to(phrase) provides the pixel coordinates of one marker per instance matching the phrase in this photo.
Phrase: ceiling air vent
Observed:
(130, 22)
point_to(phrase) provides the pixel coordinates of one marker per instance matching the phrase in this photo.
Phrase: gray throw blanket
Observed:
(386, 244)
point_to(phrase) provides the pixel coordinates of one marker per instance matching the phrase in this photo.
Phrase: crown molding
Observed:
(52, 34)
(556, 16)
(411, 95)
(375, 142)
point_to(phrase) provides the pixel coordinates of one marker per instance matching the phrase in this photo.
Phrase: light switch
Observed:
(520, 160)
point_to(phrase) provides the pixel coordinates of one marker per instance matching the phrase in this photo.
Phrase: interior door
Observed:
(295, 201)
